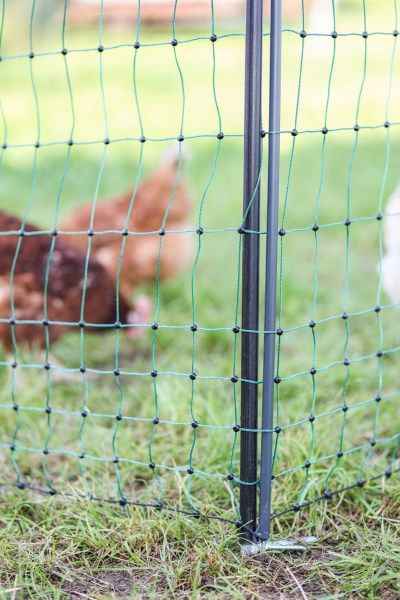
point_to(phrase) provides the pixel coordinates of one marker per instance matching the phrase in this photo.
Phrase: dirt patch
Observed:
(118, 584)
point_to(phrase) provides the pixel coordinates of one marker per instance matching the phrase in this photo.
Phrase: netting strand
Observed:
(147, 411)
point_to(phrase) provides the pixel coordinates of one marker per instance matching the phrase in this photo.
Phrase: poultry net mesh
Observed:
(146, 411)
(338, 254)
(120, 319)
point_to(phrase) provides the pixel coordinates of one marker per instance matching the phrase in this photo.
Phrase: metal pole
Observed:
(250, 264)
(263, 530)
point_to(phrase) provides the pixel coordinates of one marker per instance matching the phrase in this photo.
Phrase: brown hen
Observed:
(23, 286)
(160, 208)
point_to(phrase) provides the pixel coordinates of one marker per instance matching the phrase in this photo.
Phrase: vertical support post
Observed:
(250, 265)
(263, 531)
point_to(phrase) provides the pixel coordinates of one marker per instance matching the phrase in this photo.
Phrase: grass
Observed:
(92, 551)
(59, 548)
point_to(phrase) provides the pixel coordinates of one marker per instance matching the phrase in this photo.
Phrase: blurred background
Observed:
(196, 88)
(156, 12)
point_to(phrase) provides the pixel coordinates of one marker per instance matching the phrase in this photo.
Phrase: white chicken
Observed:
(391, 261)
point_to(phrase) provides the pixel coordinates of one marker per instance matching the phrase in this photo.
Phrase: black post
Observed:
(263, 530)
(250, 264)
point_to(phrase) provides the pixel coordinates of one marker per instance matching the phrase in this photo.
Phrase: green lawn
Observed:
(70, 548)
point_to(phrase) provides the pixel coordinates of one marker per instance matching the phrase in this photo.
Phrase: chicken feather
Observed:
(161, 202)
(391, 260)
(22, 287)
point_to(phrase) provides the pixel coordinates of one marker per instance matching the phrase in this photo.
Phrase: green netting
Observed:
(135, 420)
(87, 112)
(336, 400)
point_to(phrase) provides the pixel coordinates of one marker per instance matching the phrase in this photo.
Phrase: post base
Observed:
(287, 545)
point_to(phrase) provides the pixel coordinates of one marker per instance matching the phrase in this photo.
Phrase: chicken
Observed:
(160, 208)
(23, 287)
(321, 19)
(391, 261)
